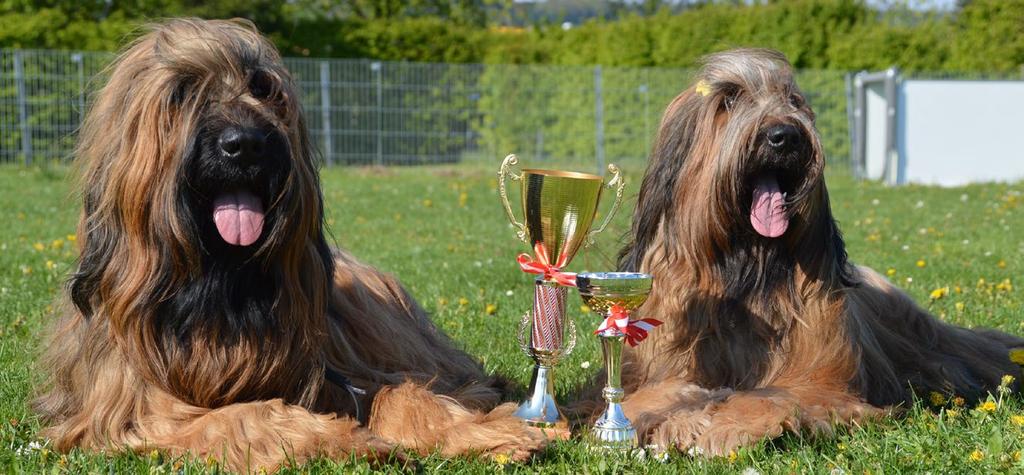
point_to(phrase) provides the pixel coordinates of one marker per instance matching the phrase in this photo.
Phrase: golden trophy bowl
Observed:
(558, 208)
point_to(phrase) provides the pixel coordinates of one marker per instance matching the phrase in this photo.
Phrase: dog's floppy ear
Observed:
(98, 244)
(658, 189)
(829, 254)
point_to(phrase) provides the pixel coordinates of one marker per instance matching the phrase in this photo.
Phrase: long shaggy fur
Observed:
(175, 340)
(761, 334)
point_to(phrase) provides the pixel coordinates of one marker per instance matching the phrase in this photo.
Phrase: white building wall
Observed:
(955, 132)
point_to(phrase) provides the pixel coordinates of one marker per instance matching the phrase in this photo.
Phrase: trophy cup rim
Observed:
(614, 284)
(562, 174)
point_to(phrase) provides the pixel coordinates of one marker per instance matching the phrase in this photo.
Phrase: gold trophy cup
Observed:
(559, 208)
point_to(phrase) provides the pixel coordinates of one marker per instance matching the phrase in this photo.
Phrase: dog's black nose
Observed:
(237, 142)
(782, 136)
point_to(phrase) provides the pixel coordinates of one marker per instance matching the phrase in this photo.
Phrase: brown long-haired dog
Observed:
(209, 314)
(767, 326)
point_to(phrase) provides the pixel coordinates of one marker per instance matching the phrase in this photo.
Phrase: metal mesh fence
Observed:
(363, 112)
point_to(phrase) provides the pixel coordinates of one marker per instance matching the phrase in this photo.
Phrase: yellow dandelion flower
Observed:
(441, 302)
(921, 263)
(981, 282)
(428, 203)
(977, 455)
(39, 246)
(57, 243)
(491, 308)
(958, 401)
(1017, 356)
(501, 459)
(1001, 264)
(841, 446)
(1016, 456)
(939, 293)
(586, 309)
(937, 398)
(50, 265)
(733, 456)
(463, 301)
(959, 306)
(702, 88)
(463, 198)
(987, 406)
(957, 289)
(890, 272)
(71, 237)
(1005, 285)
(1017, 420)
(1007, 380)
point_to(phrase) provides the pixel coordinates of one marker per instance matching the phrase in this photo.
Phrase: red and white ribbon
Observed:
(635, 330)
(541, 266)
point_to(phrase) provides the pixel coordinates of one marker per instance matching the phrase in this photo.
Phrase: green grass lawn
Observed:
(442, 231)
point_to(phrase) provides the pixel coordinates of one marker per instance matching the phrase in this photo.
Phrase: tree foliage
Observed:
(980, 35)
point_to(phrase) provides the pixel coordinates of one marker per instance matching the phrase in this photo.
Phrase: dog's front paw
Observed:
(680, 430)
(498, 435)
(729, 430)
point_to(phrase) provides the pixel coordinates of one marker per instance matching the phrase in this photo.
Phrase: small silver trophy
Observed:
(615, 295)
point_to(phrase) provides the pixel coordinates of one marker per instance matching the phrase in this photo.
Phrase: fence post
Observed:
(325, 110)
(645, 90)
(26, 132)
(851, 123)
(79, 60)
(376, 67)
(598, 120)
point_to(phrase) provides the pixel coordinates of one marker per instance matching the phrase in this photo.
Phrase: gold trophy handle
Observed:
(619, 185)
(506, 171)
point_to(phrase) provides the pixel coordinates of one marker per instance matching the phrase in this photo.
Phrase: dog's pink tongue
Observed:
(767, 213)
(239, 217)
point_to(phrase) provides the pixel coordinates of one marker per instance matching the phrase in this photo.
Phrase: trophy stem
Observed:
(613, 430)
(540, 409)
(547, 345)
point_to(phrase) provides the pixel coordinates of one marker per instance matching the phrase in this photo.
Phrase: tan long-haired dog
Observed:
(209, 314)
(767, 326)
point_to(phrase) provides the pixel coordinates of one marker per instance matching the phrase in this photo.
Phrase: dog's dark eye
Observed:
(261, 85)
(730, 95)
(180, 93)
(796, 100)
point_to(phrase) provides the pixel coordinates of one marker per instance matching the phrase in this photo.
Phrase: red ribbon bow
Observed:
(635, 330)
(540, 266)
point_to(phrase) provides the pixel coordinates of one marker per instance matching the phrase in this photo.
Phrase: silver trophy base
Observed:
(540, 409)
(613, 431)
